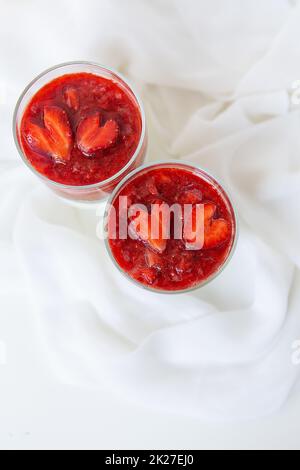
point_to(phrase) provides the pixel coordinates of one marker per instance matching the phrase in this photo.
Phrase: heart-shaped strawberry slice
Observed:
(149, 229)
(55, 139)
(91, 137)
(216, 231)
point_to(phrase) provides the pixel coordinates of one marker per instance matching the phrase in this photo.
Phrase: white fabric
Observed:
(216, 78)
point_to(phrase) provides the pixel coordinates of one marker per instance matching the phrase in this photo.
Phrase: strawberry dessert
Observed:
(80, 129)
(185, 250)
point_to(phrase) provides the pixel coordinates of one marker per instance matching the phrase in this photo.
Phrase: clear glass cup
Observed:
(196, 171)
(97, 192)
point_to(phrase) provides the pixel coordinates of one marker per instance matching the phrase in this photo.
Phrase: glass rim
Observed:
(105, 182)
(190, 166)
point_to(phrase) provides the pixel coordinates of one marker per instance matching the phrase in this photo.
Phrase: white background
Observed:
(36, 412)
(256, 57)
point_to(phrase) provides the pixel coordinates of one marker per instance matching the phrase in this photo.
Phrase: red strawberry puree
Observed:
(170, 265)
(80, 129)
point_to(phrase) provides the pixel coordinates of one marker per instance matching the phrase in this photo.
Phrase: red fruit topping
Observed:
(91, 137)
(71, 98)
(147, 274)
(209, 211)
(151, 187)
(153, 259)
(142, 228)
(78, 94)
(55, 139)
(193, 196)
(216, 231)
(38, 139)
(162, 178)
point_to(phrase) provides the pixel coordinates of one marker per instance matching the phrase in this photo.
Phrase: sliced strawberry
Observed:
(57, 124)
(72, 98)
(216, 231)
(91, 137)
(158, 245)
(153, 259)
(209, 211)
(142, 228)
(38, 139)
(55, 139)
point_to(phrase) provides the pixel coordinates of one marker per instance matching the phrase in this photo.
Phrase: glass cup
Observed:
(97, 192)
(195, 171)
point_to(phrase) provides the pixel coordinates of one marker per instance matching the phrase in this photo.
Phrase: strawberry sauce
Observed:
(80, 129)
(169, 265)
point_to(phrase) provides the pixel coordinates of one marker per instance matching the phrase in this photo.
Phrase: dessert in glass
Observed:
(81, 128)
(170, 227)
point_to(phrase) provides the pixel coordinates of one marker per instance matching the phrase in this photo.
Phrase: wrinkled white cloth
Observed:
(218, 82)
